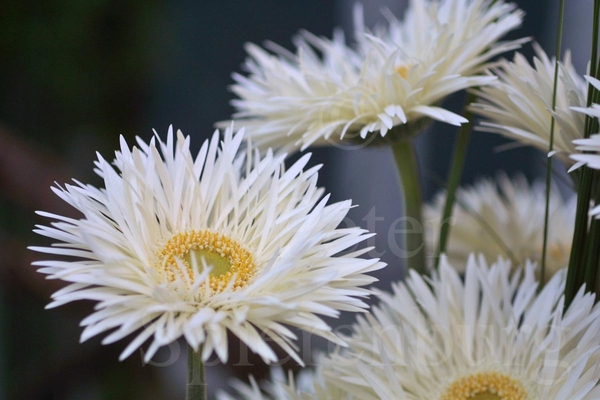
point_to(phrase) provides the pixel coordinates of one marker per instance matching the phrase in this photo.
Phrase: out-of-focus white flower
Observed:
(307, 386)
(394, 76)
(519, 105)
(505, 218)
(489, 336)
(177, 245)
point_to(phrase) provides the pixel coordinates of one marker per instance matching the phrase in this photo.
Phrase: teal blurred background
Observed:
(75, 75)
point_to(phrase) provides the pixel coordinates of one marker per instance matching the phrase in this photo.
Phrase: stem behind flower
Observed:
(408, 169)
(561, 14)
(458, 162)
(577, 268)
(196, 382)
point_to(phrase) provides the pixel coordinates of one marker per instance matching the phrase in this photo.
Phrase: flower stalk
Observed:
(576, 274)
(408, 170)
(561, 14)
(458, 163)
(196, 381)
(593, 252)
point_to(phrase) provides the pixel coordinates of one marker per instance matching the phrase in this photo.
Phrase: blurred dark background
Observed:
(75, 75)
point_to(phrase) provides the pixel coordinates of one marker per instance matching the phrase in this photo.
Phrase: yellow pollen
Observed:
(403, 70)
(485, 386)
(194, 249)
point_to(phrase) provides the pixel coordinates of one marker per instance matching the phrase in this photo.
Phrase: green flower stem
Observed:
(408, 169)
(576, 272)
(593, 241)
(196, 382)
(561, 14)
(594, 55)
(458, 163)
(547, 211)
(593, 248)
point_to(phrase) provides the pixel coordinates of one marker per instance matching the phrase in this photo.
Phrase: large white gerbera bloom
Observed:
(491, 336)
(505, 218)
(181, 245)
(519, 105)
(395, 76)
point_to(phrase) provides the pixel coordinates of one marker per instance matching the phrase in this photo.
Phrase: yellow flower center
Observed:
(197, 249)
(485, 386)
(403, 70)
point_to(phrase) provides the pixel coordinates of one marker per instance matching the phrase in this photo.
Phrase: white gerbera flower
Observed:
(519, 106)
(395, 76)
(505, 218)
(181, 245)
(491, 336)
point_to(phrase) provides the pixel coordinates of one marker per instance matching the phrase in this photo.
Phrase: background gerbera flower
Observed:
(306, 386)
(393, 76)
(504, 217)
(176, 245)
(519, 105)
(489, 336)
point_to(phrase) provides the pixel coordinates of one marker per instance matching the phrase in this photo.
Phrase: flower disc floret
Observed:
(229, 261)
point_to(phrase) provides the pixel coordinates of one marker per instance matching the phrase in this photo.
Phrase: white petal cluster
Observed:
(589, 145)
(504, 217)
(158, 194)
(519, 105)
(587, 150)
(430, 339)
(393, 76)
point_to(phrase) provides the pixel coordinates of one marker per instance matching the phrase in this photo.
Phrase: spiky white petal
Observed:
(393, 76)
(428, 334)
(519, 105)
(504, 217)
(159, 190)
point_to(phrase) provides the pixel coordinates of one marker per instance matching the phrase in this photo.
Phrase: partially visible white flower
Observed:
(591, 144)
(519, 105)
(489, 336)
(505, 218)
(587, 151)
(591, 147)
(307, 386)
(195, 246)
(394, 76)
